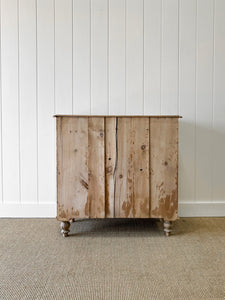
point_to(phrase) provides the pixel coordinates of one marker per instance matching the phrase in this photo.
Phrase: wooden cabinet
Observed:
(117, 167)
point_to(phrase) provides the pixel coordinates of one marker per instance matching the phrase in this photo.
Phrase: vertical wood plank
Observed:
(218, 126)
(187, 46)
(99, 57)
(81, 57)
(10, 101)
(124, 173)
(164, 164)
(169, 78)
(117, 57)
(134, 57)
(152, 51)
(96, 167)
(45, 93)
(63, 57)
(28, 104)
(204, 99)
(110, 164)
(141, 167)
(72, 168)
(59, 166)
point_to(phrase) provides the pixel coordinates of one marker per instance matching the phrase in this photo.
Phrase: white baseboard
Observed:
(48, 210)
(28, 210)
(201, 209)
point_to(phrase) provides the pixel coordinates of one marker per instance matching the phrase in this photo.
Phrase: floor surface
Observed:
(112, 259)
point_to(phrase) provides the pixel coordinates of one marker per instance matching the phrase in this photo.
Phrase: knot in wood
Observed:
(143, 147)
(121, 176)
(109, 169)
(101, 134)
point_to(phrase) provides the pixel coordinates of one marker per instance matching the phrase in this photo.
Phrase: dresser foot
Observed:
(167, 227)
(65, 228)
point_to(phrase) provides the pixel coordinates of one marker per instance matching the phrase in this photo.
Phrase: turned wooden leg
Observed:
(65, 228)
(167, 227)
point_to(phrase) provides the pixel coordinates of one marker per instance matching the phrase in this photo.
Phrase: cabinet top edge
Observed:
(121, 116)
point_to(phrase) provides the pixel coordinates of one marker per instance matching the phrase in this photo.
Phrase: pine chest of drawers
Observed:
(117, 167)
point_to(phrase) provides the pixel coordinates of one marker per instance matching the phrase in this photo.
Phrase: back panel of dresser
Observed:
(117, 167)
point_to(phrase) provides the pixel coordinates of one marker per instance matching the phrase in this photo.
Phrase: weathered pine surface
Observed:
(117, 167)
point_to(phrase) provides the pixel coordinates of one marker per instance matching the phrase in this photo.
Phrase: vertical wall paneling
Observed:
(152, 51)
(99, 56)
(81, 56)
(218, 126)
(110, 57)
(10, 100)
(169, 59)
(1, 177)
(117, 56)
(204, 99)
(28, 100)
(45, 93)
(187, 68)
(134, 57)
(63, 56)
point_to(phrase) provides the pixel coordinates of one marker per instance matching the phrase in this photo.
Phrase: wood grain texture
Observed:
(124, 173)
(141, 167)
(59, 149)
(164, 165)
(104, 167)
(132, 173)
(96, 167)
(72, 171)
(110, 164)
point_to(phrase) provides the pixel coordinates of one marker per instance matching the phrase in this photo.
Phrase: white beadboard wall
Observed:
(110, 57)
